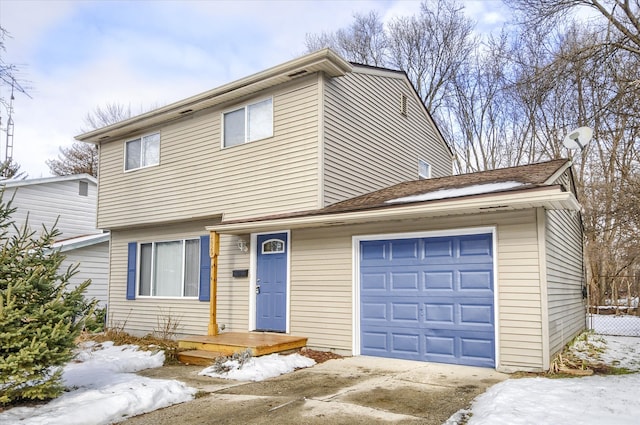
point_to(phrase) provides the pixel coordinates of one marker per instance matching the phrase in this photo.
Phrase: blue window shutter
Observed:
(205, 269)
(131, 270)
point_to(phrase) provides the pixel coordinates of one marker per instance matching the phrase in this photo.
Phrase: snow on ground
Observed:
(592, 400)
(104, 389)
(260, 368)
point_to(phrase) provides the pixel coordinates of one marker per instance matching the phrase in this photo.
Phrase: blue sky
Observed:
(77, 55)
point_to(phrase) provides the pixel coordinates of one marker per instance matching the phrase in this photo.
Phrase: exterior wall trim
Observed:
(355, 250)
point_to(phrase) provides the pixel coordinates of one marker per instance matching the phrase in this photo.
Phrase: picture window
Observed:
(169, 269)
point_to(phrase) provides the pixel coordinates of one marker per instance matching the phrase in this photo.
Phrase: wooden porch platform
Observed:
(203, 350)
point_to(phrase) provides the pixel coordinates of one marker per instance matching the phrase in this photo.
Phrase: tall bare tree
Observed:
(620, 27)
(83, 157)
(364, 41)
(431, 48)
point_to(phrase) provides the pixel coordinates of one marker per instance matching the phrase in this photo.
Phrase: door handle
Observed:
(257, 289)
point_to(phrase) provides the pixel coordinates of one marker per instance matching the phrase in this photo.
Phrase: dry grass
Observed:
(147, 342)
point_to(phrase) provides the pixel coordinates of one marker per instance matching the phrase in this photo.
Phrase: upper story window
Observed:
(424, 169)
(142, 152)
(249, 123)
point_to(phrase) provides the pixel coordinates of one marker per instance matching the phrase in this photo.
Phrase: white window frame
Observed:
(152, 274)
(246, 123)
(142, 140)
(421, 175)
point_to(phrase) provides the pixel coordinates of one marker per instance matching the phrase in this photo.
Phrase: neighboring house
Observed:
(295, 200)
(68, 203)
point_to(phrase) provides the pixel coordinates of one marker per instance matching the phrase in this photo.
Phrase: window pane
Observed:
(145, 269)
(192, 268)
(260, 120)
(273, 246)
(234, 128)
(151, 149)
(424, 169)
(132, 155)
(167, 276)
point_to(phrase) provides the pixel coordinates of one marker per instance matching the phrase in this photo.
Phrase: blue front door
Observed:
(271, 283)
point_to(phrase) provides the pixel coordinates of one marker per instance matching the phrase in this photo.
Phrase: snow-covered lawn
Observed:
(592, 400)
(104, 389)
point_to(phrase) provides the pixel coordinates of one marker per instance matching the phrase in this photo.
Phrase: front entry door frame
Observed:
(254, 272)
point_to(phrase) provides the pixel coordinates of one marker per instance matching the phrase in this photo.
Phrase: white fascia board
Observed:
(44, 180)
(81, 242)
(552, 198)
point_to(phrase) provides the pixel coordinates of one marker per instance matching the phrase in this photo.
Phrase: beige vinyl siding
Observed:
(45, 203)
(321, 282)
(144, 315)
(198, 179)
(369, 144)
(93, 263)
(233, 292)
(567, 312)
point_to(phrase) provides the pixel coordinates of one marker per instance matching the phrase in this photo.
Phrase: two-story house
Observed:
(315, 198)
(68, 203)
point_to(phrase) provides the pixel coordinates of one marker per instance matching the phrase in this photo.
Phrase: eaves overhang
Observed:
(548, 197)
(324, 60)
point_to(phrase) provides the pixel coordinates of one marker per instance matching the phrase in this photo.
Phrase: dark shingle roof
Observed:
(533, 175)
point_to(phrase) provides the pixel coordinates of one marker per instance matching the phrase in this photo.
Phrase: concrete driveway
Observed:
(354, 390)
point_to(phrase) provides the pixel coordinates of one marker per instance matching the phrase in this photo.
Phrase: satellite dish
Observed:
(578, 138)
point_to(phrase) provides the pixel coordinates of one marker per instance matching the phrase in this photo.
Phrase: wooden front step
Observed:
(229, 343)
(198, 357)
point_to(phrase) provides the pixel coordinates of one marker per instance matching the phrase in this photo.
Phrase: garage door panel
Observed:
(441, 314)
(442, 279)
(404, 249)
(375, 343)
(476, 314)
(374, 311)
(476, 279)
(403, 312)
(374, 281)
(476, 246)
(405, 344)
(429, 299)
(440, 345)
(404, 280)
(440, 248)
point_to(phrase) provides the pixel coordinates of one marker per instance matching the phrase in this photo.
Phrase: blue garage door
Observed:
(428, 299)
